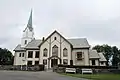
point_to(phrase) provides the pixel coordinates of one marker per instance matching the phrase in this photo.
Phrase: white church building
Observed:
(55, 49)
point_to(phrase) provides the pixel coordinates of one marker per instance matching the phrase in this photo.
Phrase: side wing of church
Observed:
(55, 49)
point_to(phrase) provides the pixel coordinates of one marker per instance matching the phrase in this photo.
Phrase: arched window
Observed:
(54, 50)
(45, 52)
(65, 52)
(55, 38)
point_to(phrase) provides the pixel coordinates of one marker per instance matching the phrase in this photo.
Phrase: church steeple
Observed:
(28, 33)
(29, 25)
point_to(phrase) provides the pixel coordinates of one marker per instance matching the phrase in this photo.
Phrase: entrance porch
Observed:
(53, 61)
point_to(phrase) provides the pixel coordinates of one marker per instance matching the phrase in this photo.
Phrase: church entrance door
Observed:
(54, 62)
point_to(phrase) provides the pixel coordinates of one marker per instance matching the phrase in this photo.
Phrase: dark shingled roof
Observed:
(19, 48)
(34, 44)
(79, 43)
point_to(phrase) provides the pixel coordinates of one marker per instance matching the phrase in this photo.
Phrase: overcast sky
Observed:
(96, 20)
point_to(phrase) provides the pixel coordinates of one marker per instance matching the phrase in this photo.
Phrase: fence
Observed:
(96, 69)
(22, 67)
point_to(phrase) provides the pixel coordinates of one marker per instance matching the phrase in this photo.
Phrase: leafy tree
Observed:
(106, 50)
(99, 48)
(109, 52)
(6, 57)
(116, 57)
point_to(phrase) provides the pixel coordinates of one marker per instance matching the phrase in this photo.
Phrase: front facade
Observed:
(55, 49)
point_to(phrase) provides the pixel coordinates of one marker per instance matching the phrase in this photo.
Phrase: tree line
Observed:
(111, 53)
(6, 57)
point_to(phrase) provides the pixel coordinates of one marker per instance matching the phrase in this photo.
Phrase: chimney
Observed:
(43, 39)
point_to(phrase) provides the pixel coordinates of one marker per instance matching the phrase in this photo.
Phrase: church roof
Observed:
(93, 54)
(79, 43)
(102, 58)
(34, 44)
(19, 48)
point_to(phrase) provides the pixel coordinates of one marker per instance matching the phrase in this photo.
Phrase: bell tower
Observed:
(28, 33)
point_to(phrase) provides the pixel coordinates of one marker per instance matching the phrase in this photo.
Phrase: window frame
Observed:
(102, 63)
(93, 61)
(79, 55)
(55, 50)
(29, 63)
(20, 54)
(37, 54)
(25, 42)
(23, 54)
(45, 52)
(65, 52)
(55, 38)
(30, 56)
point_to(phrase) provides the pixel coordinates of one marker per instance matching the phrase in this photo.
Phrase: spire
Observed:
(29, 25)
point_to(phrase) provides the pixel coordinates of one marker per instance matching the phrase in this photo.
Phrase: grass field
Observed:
(96, 76)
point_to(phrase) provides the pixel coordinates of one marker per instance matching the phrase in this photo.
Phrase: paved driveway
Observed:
(19, 75)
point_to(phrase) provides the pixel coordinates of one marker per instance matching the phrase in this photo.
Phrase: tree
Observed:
(6, 57)
(99, 48)
(115, 57)
(106, 50)
(109, 52)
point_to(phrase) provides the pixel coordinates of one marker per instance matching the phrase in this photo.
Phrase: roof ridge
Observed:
(77, 38)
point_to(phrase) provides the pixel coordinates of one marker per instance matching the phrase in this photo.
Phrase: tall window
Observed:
(55, 38)
(20, 54)
(54, 50)
(65, 61)
(45, 61)
(30, 54)
(93, 62)
(45, 52)
(65, 52)
(25, 41)
(29, 63)
(102, 63)
(79, 55)
(37, 54)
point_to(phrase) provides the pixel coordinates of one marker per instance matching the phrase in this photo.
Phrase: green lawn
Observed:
(96, 76)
